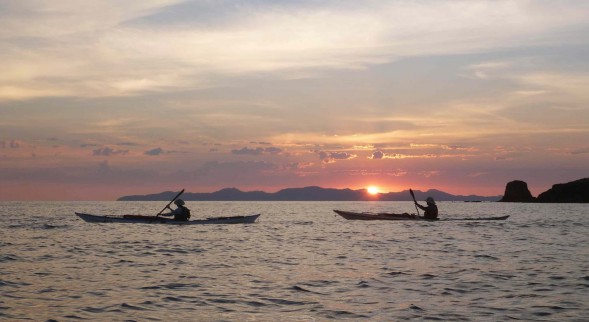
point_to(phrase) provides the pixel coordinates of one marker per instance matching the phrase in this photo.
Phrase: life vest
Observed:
(184, 214)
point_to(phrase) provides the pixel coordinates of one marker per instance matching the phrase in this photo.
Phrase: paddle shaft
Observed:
(168, 205)
(412, 195)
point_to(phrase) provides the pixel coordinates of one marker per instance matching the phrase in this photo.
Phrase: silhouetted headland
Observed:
(572, 192)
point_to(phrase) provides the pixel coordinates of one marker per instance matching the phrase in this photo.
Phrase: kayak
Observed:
(379, 216)
(389, 216)
(141, 219)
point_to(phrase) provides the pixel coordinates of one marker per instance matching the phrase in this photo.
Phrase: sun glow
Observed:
(373, 190)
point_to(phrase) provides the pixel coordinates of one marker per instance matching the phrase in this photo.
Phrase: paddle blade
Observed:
(413, 196)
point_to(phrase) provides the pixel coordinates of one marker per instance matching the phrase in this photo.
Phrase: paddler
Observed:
(431, 210)
(181, 213)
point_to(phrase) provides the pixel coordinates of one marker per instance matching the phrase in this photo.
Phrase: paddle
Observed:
(413, 195)
(168, 205)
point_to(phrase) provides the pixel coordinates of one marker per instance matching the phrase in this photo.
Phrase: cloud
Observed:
(128, 144)
(379, 155)
(429, 174)
(156, 151)
(396, 173)
(107, 151)
(110, 48)
(297, 165)
(331, 157)
(426, 151)
(256, 151)
(374, 172)
(273, 150)
(458, 148)
(477, 174)
(12, 144)
(483, 70)
(248, 151)
(580, 151)
(423, 145)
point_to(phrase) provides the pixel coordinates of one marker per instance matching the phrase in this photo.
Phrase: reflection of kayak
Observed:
(162, 220)
(386, 216)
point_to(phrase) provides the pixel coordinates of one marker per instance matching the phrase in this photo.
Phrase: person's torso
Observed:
(181, 213)
(431, 212)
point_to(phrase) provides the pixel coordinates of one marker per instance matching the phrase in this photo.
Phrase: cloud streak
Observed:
(154, 152)
(122, 49)
(331, 157)
(11, 144)
(108, 151)
(256, 151)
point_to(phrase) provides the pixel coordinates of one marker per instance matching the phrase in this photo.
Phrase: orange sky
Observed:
(108, 99)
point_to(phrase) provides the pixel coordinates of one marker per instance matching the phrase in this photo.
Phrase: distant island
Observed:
(516, 191)
(312, 193)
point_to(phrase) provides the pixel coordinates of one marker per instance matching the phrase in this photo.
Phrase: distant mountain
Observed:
(306, 194)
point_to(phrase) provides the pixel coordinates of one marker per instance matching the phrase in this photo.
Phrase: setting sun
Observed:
(373, 190)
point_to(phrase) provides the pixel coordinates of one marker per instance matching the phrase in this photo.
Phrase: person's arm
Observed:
(420, 206)
(171, 213)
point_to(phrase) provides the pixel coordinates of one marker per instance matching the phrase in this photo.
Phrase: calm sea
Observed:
(299, 262)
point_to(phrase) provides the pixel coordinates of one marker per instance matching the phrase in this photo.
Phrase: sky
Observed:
(100, 99)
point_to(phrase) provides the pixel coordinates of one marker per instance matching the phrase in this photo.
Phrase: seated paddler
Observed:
(431, 210)
(181, 213)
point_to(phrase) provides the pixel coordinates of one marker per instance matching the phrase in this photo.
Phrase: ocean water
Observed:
(299, 262)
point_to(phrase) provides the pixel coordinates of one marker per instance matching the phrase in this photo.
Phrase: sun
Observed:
(373, 190)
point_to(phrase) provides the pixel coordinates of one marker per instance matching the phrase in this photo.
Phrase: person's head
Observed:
(179, 202)
(430, 201)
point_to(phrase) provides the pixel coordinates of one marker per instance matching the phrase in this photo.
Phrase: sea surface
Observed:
(299, 262)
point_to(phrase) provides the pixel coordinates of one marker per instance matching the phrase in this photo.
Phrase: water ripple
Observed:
(300, 263)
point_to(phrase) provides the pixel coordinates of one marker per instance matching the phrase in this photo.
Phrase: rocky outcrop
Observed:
(517, 191)
(571, 192)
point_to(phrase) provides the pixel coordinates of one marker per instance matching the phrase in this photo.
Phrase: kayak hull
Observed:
(140, 219)
(350, 215)
(372, 216)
